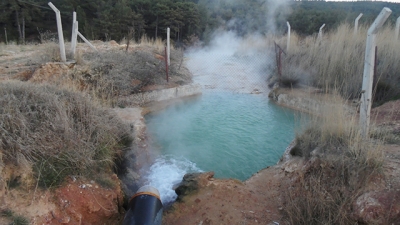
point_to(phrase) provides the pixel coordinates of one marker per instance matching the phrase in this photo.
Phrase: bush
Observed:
(324, 191)
(125, 72)
(338, 164)
(58, 132)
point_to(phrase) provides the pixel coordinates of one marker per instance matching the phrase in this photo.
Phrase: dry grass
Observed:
(336, 62)
(123, 73)
(57, 132)
(118, 73)
(335, 132)
(338, 165)
(50, 53)
(158, 44)
(324, 192)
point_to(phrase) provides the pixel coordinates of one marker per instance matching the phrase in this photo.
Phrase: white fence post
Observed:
(396, 35)
(168, 47)
(288, 36)
(356, 23)
(60, 32)
(366, 91)
(320, 31)
(74, 34)
(85, 40)
(76, 27)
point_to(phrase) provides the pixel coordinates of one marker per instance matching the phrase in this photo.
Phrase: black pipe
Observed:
(145, 208)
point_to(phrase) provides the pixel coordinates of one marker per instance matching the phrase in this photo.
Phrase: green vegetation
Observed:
(57, 132)
(308, 16)
(105, 20)
(115, 20)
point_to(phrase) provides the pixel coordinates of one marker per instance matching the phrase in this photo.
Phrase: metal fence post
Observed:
(288, 36)
(168, 46)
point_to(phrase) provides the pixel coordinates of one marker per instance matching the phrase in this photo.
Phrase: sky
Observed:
(395, 1)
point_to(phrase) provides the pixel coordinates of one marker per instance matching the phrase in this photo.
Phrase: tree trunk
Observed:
(5, 31)
(155, 38)
(23, 30)
(18, 25)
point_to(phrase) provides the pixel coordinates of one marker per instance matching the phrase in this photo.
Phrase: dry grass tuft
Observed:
(338, 164)
(51, 53)
(324, 192)
(59, 132)
(335, 132)
(158, 44)
(123, 73)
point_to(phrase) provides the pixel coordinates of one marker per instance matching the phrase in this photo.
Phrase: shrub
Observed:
(338, 164)
(58, 132)
(325, 191)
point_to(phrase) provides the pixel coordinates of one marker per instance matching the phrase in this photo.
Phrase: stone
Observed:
(381, 207)
(191, 183)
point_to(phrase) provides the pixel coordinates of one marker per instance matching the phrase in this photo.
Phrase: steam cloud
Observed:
(236, 59)
(261, 17)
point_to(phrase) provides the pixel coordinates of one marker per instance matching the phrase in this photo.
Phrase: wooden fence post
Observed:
(356, 23)
(366, 91)
(288, 36)
(60, 32)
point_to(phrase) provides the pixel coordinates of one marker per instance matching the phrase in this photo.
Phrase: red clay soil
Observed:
(80, 202)
(256, 201)
(76, 202)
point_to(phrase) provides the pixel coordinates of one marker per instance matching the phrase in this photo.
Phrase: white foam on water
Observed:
(166, 172)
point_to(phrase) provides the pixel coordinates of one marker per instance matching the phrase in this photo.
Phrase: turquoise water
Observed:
(234, 135)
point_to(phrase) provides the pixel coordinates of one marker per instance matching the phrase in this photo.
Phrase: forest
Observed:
(32, 21)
